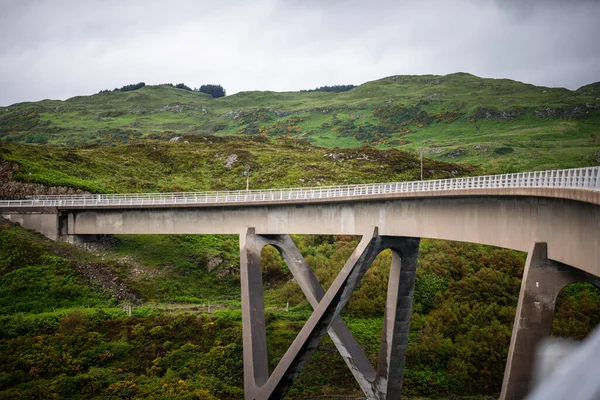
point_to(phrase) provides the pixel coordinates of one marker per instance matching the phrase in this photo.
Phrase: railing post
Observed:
(569, 180)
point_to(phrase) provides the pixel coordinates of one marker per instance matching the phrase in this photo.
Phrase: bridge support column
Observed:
(386, 382)
(66, 220)
(543, 279)
(78, 239)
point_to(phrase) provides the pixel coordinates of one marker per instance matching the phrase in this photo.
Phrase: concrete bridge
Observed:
(552, 215)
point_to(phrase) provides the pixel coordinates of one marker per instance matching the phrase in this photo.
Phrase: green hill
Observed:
(499, 124)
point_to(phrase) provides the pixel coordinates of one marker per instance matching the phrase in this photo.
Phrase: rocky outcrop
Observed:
(494, 114)
(262, 114)
(213, 263)
(231, 159)
(11, 189)
(110, 283)
(177, 109)
(102, 244)
(454, 153)
(580, 111)
(410, 79)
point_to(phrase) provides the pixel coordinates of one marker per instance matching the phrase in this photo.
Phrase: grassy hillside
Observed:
(496, 123)
(215, 163)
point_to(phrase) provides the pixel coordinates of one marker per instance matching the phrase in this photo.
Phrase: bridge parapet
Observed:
(581, 180)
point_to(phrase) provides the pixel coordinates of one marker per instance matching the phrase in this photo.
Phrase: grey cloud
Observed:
(58, 49)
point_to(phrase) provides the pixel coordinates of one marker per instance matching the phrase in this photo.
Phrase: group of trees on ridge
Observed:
(178, 86)
(334, 88)
(215, 91)
(126, 88)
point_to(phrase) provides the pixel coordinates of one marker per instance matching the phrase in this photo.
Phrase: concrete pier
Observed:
(386, 382)
(543, 279)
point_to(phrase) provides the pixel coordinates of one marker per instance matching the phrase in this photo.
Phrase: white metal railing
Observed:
(578, 178)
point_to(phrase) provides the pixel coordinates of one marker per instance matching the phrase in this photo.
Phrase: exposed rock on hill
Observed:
(110, 282)
(11, 189)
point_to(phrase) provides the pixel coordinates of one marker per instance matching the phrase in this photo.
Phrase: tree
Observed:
(334, 88)
(215, 91)
(183, 86)
(129, 88)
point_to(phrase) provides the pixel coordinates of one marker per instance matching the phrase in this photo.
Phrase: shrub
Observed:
(215, 91)
(183, 86)
(134, 86)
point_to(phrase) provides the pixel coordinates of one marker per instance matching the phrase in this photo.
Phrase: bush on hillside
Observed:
(334, 88)
(215, 91)
(183, 86)
(129, 88)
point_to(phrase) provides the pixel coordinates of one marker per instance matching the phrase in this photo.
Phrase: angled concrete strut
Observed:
(386, 382)
(543, 279)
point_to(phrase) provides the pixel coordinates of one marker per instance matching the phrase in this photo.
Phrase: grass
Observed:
(174, 267)
(200, 165)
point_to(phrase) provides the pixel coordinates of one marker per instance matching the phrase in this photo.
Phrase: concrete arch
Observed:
(383, 383)
(592, 284)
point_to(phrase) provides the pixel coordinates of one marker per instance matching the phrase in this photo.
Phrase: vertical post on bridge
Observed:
(256, 371)
(394, 341)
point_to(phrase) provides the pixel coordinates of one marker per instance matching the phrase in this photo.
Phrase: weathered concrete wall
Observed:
(570, 228)
(46, 224)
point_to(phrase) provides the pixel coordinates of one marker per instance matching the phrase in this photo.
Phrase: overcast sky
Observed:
(62, 48)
